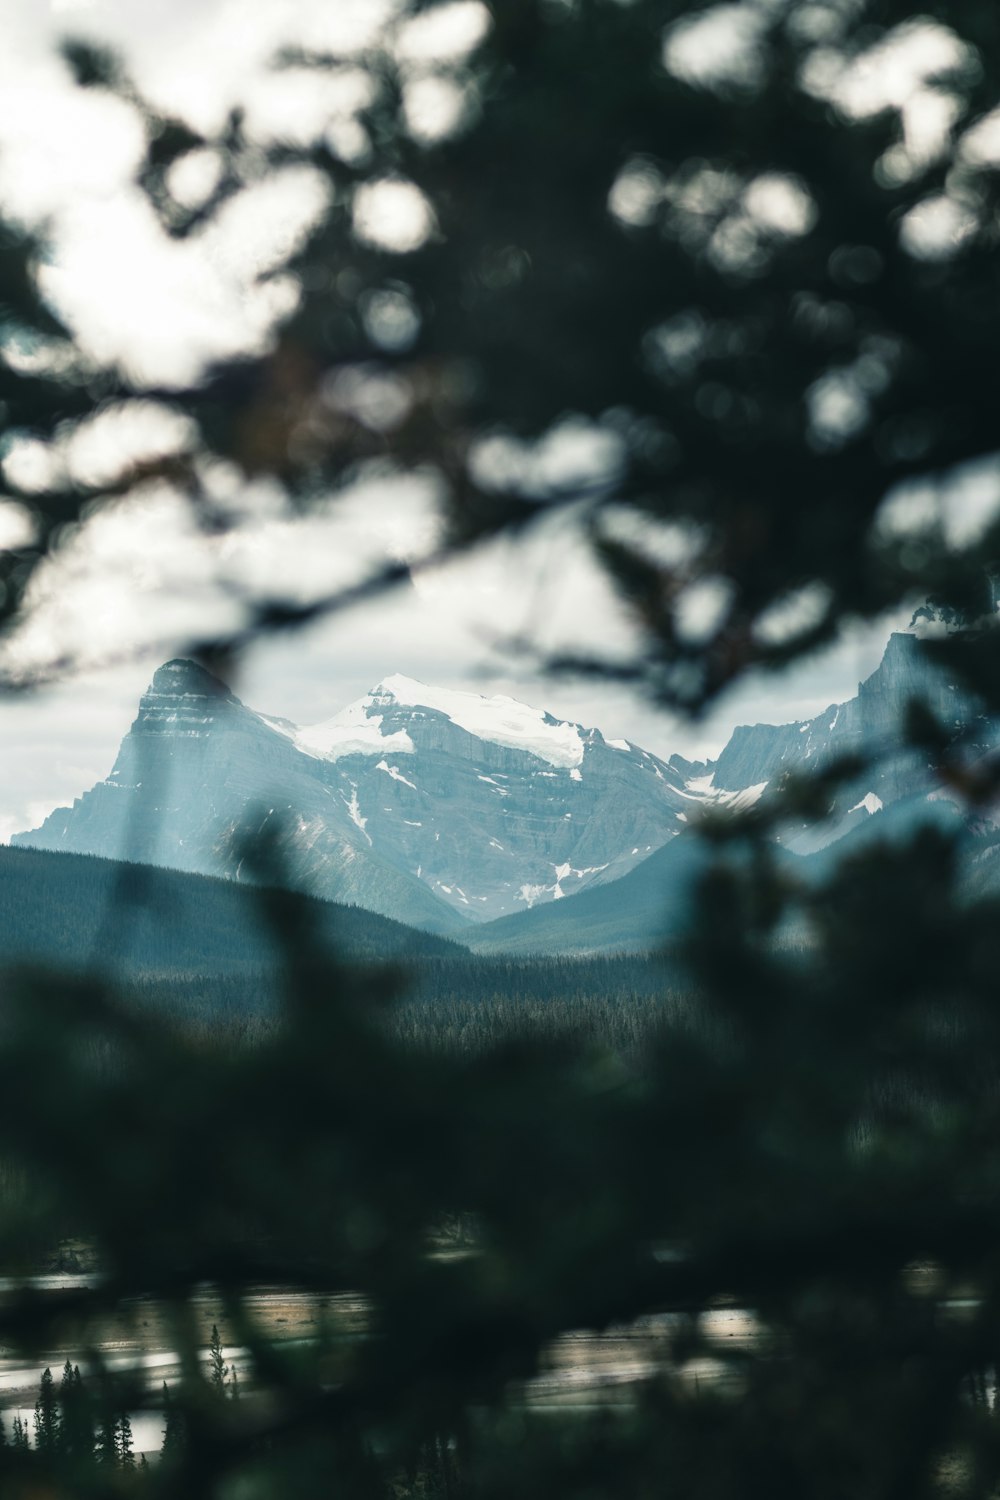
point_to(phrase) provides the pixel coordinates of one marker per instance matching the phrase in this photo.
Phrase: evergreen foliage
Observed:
(218, 1369)
(123, 1441)
(47, 1434)
(53, 909)
(76, 1425)
(106, 1450)
(773, 307)
(173, 1428)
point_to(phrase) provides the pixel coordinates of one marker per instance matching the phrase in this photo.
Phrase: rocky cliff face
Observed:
(873, 721)
(896, 791)
(497, 807)
(869, 725)
(443, 808)
(436, 807)
(199, 772)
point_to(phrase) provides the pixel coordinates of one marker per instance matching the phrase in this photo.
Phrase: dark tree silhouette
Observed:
(123, 1439)
(106, 1451)
(218, 1369)
(173, 1427)
(76, 1425)
(46, 1415)
(758, 293)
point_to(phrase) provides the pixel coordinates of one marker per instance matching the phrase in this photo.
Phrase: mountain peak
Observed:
(183, 677)
(403, 689)
(498, 720)
(183, 699)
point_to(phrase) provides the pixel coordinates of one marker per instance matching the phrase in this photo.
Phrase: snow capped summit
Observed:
(445, 808)
(423, 802)
(497, 720)
(356, 730)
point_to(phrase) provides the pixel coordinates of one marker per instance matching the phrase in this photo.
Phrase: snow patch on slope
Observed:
(394, 772)
(355, 812)
(501, 789)
(531, 893)
(701, 786)
(498, 720)
(703, 789)
(743, 799)
(351, 732)
(869, 802)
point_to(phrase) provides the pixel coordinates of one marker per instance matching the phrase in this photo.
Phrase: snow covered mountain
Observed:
(899, 777)
(437, 807)
(444, 809)
(896, 791)
(198, 774)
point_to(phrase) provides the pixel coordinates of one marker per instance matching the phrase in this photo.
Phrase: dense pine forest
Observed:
(80, 911)
(75, 1425)
(198, 951)
(462, 1005)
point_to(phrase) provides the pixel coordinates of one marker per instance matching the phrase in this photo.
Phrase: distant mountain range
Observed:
(480, 817)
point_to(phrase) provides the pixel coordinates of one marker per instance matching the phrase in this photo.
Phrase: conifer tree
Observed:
(46, 1415)
(218, 1369)
(65, 1407)
(106, 1441)
(19, 1434)
(735, 268)
(76, 1432)
(173, 1427)
(123, 1441)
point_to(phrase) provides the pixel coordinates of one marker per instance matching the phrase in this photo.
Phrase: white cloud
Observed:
(392, 214)
(906, 70)
(444, 34)
(163, 308)
(956, 507)
(937, 228)
(780, 203)
(722, 45)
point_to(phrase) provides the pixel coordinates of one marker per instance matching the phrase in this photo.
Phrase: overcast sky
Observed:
(56, 742)
(138, 577)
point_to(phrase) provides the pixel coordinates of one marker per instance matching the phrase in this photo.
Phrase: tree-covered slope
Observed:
(634, 914)
(78, 910)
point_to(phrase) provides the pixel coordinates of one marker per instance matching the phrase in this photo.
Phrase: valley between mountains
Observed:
(482, 819)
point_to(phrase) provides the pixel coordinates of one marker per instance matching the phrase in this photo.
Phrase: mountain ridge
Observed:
(450, 810)
(437, 807)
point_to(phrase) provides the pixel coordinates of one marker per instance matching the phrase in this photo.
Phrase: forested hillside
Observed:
(458, 1003)
(76, 910)
(199, 951)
